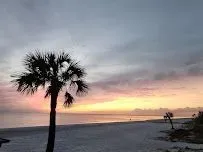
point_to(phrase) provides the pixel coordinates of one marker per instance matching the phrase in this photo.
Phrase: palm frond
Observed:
(77, 70)
(62, 58)
(51, 59)
(82, 87)
(27, 82)
(170, 114)
(73, 71)
(68, 99)
(36, 63)
(48, 92)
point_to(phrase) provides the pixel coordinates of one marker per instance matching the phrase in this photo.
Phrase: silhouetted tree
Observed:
(53, 72)
(169, 116)
(198, 119)
(194, 116)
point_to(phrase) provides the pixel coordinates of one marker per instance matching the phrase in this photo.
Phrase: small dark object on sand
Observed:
(2, 141)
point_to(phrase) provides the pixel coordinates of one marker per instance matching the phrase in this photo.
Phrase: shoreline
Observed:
(23, 131)
(99, 123)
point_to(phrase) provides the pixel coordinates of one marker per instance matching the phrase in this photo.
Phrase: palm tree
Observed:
(52, 72)
(169, 116)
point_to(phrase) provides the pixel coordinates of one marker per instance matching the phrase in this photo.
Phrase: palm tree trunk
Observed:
(52, 128)
(52, 125)
(170, 120)
(171, 123)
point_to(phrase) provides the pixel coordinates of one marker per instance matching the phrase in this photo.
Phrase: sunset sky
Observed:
(138, 54)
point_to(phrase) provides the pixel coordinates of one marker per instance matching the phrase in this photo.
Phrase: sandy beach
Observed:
(108, 137)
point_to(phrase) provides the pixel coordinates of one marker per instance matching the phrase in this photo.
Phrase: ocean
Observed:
(15, 120)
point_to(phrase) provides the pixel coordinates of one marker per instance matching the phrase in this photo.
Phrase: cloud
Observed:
(179, 112)
(12, 101)
(127, 47)
(195, 58)
(172, 75)
(8, 98)
(195, 71)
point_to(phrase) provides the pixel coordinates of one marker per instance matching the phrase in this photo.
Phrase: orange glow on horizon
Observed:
(172, 97)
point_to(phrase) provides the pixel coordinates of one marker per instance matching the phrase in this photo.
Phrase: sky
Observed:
(139, 54)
